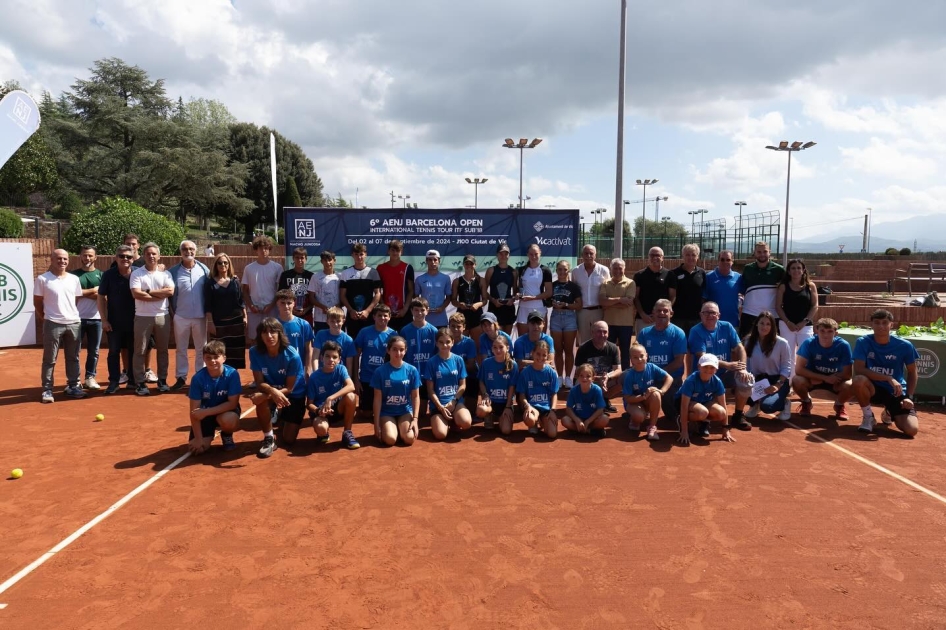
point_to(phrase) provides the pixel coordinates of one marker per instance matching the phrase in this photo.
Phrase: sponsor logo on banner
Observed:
(928, 364)
(12, 294)
(305, 229)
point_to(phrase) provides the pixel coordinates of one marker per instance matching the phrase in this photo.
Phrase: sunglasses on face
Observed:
(126, 257)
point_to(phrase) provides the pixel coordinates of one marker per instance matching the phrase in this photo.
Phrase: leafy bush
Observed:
(69, 205)
(11, 226)
(105, 222)
(905, 251)
(891, 251)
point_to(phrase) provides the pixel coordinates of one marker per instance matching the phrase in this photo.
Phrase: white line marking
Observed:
(864, 460)
(95, 521)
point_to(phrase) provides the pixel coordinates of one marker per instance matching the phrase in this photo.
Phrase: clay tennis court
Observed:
(779, 530)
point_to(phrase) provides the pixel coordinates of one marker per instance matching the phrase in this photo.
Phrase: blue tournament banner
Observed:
(453, 233)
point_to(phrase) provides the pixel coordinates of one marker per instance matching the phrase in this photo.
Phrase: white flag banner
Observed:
(272, 161)
(19, 118)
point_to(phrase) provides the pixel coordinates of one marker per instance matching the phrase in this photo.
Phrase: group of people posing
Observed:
(381, 341)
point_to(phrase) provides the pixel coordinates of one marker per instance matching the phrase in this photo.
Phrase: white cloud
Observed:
(881, 158)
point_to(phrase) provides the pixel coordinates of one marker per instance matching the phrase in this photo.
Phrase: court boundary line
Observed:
(71, 538)
(870, 463)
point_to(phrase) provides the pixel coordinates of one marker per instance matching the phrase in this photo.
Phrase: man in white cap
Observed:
(435, 287)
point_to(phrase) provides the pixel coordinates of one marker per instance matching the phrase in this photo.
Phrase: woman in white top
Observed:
(535, 288)
(771, 358)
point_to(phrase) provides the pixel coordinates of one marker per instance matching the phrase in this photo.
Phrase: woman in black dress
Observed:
(226, 312)
(503, 284)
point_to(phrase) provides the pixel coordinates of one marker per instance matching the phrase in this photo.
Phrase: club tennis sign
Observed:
(17, 315)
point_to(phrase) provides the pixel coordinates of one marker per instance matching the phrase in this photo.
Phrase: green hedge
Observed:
(106, 222)
(11, 226)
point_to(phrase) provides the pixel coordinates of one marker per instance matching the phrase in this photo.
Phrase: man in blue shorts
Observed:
(885, 374)
(213, 400)
(824, 362)
(719, 338)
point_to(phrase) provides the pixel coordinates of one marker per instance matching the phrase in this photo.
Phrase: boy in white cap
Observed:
(702, 399)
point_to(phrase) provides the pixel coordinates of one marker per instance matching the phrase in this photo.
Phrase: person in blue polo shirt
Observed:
(445, 375)
(885, 374)
(280, 381)
(585, 410)
(701, 399)
(298, 330)
(215, 400)
(645, 386)
(523, 347)
(396, 386)
(372, 347)
(824, 361)
(720, 339)
(666, 346)
(722, 287)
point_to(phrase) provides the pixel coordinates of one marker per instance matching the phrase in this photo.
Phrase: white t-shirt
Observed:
(262, 281)
(59, 297)
(326, 292)
(146, 280)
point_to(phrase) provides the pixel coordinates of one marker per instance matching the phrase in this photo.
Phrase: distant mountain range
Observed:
(929, 232)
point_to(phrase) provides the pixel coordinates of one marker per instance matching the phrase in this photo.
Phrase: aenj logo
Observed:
(12, 294)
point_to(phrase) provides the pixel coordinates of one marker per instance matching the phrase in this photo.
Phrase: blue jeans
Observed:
(773, 403)
(90, 330)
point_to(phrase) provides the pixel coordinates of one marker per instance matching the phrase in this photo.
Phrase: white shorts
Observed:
(527, 307)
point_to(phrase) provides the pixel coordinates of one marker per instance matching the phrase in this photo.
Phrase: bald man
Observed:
(54, 296)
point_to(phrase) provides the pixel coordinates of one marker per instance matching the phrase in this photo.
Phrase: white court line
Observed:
(95, 521)
(873, 465)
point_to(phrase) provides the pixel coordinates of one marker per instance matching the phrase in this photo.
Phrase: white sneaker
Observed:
(652, 434)
(90, 383)
(123, 379)
(786, 412)
(48, 396)
(150, 377)
(885, 418)
(867, 424)
(753, 411)
(566, 382)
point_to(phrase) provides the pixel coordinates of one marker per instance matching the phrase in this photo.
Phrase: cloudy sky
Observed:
(415, 95)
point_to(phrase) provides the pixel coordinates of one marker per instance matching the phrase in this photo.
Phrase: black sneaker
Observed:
(269, 445)
(228, 443)
(596, 433)
(142, 390)
(179, 384)
(163, 386)
(705, 429)
(112, 388)
(610, 409)
(739, 421)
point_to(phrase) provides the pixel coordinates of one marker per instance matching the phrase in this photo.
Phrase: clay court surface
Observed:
(778, 530)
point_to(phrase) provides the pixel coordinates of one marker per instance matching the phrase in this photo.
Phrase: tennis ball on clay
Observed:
(16, 473)
(100, 417)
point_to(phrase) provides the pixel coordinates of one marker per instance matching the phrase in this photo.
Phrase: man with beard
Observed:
(758, 286)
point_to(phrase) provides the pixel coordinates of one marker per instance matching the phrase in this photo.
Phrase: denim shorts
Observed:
(563, 321)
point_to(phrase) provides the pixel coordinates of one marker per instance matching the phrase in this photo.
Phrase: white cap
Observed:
(709, 359)
(433, 253)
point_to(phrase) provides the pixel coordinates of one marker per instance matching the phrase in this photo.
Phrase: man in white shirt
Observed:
(152, 289)
(260, 280)
(187, 309)
(54, 297)
(589, 275)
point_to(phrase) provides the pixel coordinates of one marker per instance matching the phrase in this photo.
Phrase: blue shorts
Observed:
(563, 321)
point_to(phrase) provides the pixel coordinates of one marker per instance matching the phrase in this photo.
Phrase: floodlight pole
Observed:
(784, 146)
(741, 205)
(619, 162)
(523, 143)
(476, 189)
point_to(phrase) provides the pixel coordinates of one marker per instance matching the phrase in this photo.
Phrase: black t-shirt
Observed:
(689, 288)
(603, 361)
(566, 292)
(121, 304)
(299, 283)
(653, 286)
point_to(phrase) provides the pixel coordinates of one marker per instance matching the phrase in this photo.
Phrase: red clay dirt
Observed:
(774, 531)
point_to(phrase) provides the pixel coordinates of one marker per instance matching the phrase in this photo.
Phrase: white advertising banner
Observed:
(17, 315)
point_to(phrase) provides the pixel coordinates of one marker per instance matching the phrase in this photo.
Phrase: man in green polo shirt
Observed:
(758, 286)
